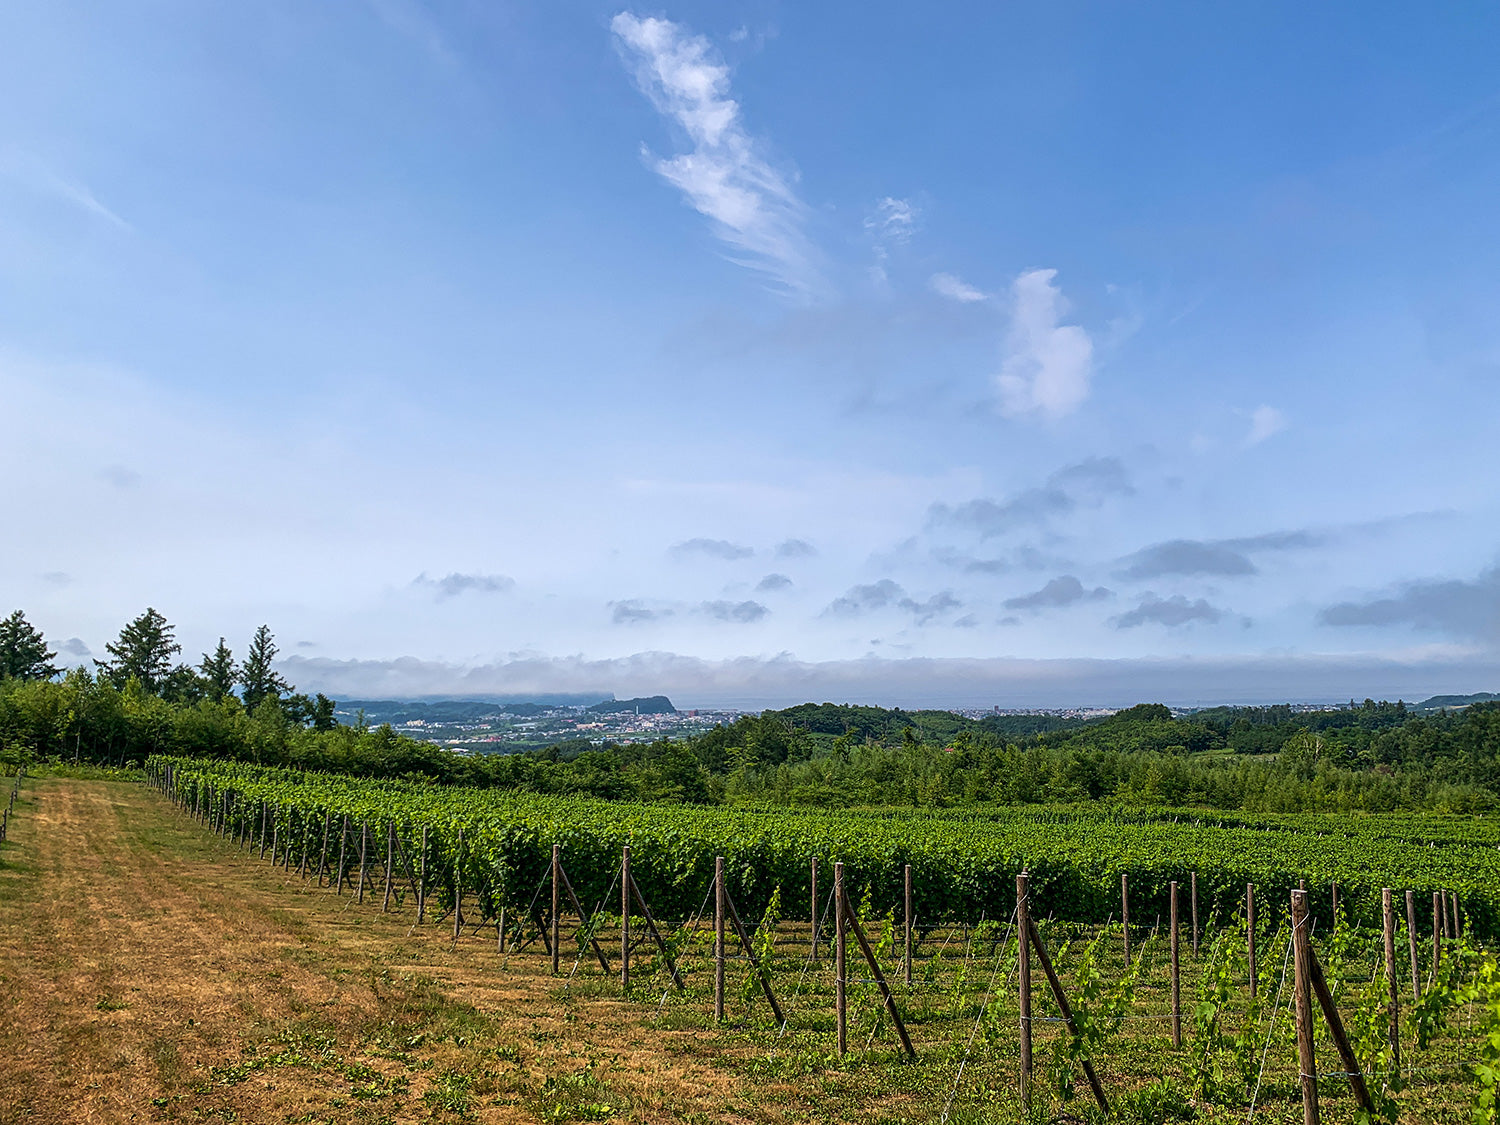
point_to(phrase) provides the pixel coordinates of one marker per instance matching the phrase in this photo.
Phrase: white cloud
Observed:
(954, 288)
(31, 171)
(892, 220)
(1264, 422)
(1047, 364)
(725, 178)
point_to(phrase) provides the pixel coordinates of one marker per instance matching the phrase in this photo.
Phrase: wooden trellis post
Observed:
(1125, 915)
(655, 933)
(1338, 1035)
(814, 908)
(1411, 941)
(755, 965)
(875, 971)
(719, 922)
(906, 918)
(840, 997)
(364, 847)
(390, 862)
(1194, 885)
(1250, 932)
(458, 887)
(1302, 986)
(1176, 975)
(422, 879)
(625, 916)
(1067, 1011)
(556, 909)
(1437, 933)
(583, 918)
(307, 836)
(1393, 999)
(1023, 979)
(343, 842)
(323, 857)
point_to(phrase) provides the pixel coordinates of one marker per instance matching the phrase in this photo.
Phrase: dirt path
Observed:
(151, 971)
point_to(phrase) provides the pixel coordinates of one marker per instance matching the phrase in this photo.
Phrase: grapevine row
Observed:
(963, 864)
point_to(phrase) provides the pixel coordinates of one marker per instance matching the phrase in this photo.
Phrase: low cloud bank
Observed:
(780, 681)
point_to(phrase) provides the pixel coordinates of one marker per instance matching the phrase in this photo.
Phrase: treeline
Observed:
(1448, 762)
(143, 700)
(1374, 756)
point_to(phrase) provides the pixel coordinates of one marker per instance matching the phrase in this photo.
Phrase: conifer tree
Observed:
(220, 672)
(257, 680)
(143, 652)
(23, 651)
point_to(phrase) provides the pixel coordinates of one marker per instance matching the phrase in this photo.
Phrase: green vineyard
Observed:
(964, 863)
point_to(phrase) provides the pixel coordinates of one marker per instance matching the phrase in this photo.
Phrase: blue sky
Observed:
(1019, 354)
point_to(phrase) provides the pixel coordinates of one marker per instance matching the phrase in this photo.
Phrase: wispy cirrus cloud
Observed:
(954, 288)
(35, 174)
(890, 223)
(892, 220)
(1048, 364)
(725, 176)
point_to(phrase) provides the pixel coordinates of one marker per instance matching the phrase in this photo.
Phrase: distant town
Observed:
(504, 727)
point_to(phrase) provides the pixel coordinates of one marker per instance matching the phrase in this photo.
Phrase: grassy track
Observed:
(142, 961)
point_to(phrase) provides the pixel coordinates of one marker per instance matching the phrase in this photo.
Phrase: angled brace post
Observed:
(885, 989)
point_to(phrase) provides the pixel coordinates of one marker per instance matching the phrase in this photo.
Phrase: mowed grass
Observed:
(152, 971)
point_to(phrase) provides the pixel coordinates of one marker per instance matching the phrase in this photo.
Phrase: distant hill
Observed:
(647, 705)
(863, 721)
(1447, 702)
